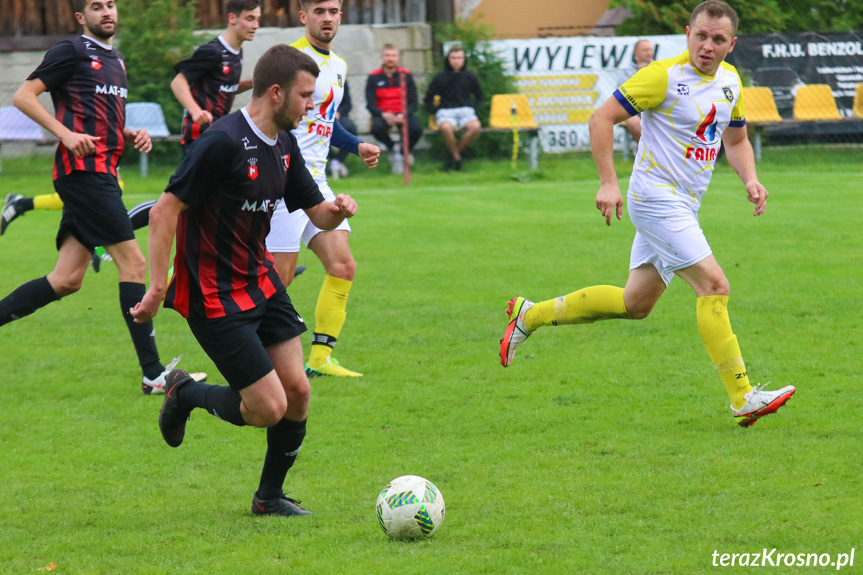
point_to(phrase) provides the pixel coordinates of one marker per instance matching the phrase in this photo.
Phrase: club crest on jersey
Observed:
(253, 168)
(682, 90)
(226, 69)
(729, 95)
(286, 159)
(95, 63)
(339, 76)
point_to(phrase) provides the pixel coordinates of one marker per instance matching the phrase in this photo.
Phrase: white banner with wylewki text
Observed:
(566, 79)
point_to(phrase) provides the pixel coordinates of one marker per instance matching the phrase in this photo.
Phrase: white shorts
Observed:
(458, 117)
(288, 228)
(668, 236)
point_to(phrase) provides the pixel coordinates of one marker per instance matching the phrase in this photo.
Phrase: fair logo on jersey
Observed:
(729, 95)
(287, 160)
(682, 90)
(253, 168)
(705, 133)
(325, 112)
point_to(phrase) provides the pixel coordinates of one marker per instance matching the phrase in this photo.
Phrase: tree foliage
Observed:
(756, 16)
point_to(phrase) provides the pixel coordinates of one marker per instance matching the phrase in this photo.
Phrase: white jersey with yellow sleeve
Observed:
(315, 130)
(683, 114)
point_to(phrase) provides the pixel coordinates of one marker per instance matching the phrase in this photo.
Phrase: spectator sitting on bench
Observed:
(384, 102)
(459, 97)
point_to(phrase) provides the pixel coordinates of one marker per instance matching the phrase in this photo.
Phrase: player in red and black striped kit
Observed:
(207, 82)
(219, 204)
(86, 77)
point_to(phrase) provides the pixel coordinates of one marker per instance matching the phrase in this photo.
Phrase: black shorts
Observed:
(237, 343)
(93, 210)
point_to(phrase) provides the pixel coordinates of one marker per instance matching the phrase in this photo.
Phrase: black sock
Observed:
(26, 299)
(283, 445)
(24, 205)
(140, 215)
(218, 400)
(143, 337)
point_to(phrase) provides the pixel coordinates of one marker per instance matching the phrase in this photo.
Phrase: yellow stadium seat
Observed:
(815, 102)
(759, 106)
(858, 101)
(432, 121)
(502, 107)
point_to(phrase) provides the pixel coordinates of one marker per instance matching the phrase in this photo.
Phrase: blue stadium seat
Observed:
(147, 116)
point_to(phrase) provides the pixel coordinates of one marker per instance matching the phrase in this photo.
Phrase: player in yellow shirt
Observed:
(316, 131)
(690, 106)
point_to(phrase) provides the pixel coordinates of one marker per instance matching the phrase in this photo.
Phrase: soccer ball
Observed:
(410, 507)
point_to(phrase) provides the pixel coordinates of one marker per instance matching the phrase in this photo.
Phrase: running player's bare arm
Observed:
(181, 90)
(742, 159)
(27, 100)
(608, 199)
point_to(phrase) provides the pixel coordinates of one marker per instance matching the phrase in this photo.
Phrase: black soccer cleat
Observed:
(284, 506)
(173, 415)
(9, 211)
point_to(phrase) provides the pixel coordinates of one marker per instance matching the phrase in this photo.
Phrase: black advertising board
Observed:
(784, 62)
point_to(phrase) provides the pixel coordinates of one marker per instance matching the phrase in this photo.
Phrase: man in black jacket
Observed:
(454, 96)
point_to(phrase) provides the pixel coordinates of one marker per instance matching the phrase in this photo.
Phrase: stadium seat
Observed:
(15, 125)
(432, 120)
(501, 116)
(759, 106)
(147, 116)
(815, 102)
(858, 101)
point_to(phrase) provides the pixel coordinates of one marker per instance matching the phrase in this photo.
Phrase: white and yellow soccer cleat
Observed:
(760, 402)
(516, 329)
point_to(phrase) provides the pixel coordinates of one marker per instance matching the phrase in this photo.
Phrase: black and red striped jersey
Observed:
(87, 82)
(231, 180)
(213, 73)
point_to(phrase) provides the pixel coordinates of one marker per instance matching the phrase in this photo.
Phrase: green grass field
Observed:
(606, 448)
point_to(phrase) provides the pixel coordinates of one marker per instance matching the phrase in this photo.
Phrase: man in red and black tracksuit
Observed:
(86, 77)
(384, 100)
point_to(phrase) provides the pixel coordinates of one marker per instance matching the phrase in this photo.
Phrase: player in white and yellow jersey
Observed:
(689, 106)
(316, 131)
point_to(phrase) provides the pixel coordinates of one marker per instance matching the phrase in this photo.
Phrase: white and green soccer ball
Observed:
(410, 507)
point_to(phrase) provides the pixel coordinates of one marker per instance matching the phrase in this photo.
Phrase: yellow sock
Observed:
(584, 306)
(47, 202)
(329, 318)
(721, 344)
